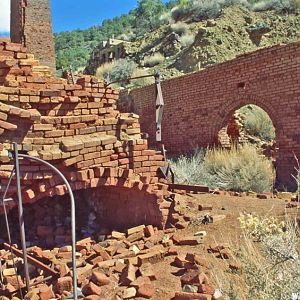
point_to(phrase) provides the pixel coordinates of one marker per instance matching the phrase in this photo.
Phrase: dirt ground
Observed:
(226, 231)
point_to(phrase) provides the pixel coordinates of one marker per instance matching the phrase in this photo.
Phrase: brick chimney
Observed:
(31, 25)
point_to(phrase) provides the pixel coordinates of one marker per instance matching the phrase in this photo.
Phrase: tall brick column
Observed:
(31, 25)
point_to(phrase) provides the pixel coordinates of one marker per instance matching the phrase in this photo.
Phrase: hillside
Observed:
(237, 31)
(182, 43)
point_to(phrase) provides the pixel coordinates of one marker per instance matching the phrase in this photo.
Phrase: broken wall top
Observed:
(77, 127)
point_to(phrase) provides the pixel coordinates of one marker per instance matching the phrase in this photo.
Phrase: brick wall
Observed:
(78, 128)
(31, 25)
(198, 105)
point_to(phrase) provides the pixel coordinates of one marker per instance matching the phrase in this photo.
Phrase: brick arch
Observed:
(198, 104)
(241, 100)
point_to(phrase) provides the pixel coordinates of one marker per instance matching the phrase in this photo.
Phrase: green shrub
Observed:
(244, 3)
(153, 60)
(179, 28)
(237, 169)
(122, 70)
(205, 9)
(258, 123)
(283, 6)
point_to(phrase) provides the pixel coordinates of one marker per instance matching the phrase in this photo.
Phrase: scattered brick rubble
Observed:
(120, 267)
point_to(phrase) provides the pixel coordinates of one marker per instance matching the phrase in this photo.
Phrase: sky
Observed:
(75, 14)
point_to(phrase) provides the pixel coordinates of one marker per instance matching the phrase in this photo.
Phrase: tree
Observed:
(147, 15)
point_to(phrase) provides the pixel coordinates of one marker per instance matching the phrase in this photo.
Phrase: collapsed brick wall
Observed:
(78, 128)
(31, 25)
(198, 105)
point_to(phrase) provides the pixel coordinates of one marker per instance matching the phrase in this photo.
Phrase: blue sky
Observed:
(70, 14)
(75, 14)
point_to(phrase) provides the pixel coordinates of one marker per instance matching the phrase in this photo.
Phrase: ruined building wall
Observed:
(31, 25)
(198, 105)
(78, 128)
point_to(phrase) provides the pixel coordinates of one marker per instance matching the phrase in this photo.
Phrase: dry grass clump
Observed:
(103, 71)
(188, 169)
(237, 169)
(153, 60)
(179, 28)
(270, 268)
(187, 39)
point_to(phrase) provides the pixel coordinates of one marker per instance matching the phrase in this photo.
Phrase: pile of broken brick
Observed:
(120, 267)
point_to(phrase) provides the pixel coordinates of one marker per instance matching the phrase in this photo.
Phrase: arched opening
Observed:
(250, 124)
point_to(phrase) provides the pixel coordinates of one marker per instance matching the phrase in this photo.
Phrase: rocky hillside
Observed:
(182, 36)
(237, 31)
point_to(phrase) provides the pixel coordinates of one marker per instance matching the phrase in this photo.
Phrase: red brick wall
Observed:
(198, 105)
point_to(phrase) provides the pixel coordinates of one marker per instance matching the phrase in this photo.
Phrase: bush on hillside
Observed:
(205, 9)
(119, 70)
(187, 39)
(142, 81)
(282, 6)
(258, 123)
(179, 28)
(104, 71)
(166, 18)
(178, 12)
(122, 70)
(153, 60)
(237, 169)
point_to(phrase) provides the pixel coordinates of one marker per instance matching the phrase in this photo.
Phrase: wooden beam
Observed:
(32, 260)
(191, 188)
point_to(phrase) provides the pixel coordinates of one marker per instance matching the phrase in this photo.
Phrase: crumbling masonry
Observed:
(78, 128)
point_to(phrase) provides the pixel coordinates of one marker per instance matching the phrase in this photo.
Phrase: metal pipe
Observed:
(21, 216)
(130, 78)
(8, 229)
(72, 216)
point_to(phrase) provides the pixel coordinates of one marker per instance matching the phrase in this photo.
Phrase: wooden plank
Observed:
(186, 187)
(32, 260)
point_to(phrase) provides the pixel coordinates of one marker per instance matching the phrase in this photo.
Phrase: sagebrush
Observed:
(239, 169)
(119, 70)
(153, 60)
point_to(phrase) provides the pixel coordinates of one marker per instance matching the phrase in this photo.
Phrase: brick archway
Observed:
(242, 99)
(198, 104)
